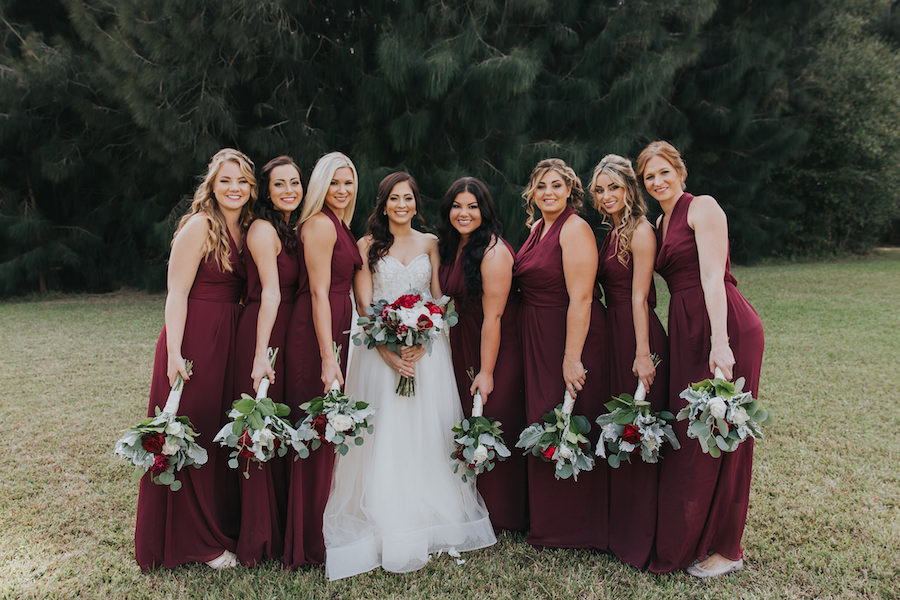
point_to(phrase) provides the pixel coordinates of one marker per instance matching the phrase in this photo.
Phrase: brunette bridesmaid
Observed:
(702, 500)
(476, 271)
(564, 348)
(271, 287)
(322, 315)
(205, 282)
(626, 275)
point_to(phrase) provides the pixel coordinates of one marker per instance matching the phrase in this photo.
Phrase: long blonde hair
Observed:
(622, 174)
(569, 178)
(205, 203)
(320, 180)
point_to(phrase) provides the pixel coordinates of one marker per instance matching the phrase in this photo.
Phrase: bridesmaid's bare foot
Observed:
(226, 560)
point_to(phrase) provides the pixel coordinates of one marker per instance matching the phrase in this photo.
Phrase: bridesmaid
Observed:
(476, 271)
(322, 316)
(271, 286)
(626, 275)
(205, 281)
(563, 339)
(703, 500)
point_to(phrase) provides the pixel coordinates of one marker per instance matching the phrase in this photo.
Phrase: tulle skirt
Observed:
(395, 500)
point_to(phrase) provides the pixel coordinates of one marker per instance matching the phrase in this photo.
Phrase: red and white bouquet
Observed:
(479, 442)
(631, 427)
(258, 430)
(164, 443)
(408, 321)
(720, 415)
(561, 438)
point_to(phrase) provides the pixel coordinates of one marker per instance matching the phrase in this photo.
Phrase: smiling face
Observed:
(551, 194)
(340, 190)
(401, 204)
(662, 180)
(231, 188)
(465, 214)
(610, 196)
(285, 188)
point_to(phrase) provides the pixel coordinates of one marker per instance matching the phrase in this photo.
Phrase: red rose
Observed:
(153, 443)
(385, 311)
(407, 301)
(319, 424)
(434, 308)
(424, 323)
(632, 434)
(244, 444)
(548, 453)
(402, 329)
(459, 452)
(160, 465)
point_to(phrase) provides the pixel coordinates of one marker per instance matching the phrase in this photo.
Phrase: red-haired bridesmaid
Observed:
(205, 281)
(322, 315)
(703, 501)
(626, 274)
(476, 271)
(271, 287)
(564, 348)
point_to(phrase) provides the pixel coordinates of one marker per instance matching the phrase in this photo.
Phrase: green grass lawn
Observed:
(824, 520)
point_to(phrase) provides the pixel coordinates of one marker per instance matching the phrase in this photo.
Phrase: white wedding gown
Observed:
(394, 500)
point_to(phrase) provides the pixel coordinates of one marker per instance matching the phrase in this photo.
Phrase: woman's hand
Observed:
(175, 367)
(484, 383)
(396, 362)
(261, 368)
(574, 374)
(643, 368)
(331, 372)
(412, 353)
(721, 356)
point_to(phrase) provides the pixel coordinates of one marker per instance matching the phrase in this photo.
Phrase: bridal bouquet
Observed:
(258, 430)
(336, 418)
(560, 437)
(479, 442)
(720, 415)
(631, 427)
(408, 321)
(163, 444)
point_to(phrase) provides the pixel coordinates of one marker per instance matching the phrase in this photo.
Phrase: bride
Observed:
(395, 499)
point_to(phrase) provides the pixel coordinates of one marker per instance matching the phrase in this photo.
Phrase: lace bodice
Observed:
(392, 278)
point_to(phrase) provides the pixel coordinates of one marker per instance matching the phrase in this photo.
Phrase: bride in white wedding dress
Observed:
(395, 500)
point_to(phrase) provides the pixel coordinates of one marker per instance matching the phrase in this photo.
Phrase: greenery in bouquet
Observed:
(721, 415)
(561, 438)
(258, 430)
(408, 321)
(163, 444)
(631, 427)
(478, 442)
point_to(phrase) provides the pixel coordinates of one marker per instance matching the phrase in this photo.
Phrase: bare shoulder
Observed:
(318, 225)
(704, 209)
(644, 236)
(261, 229)
(194, 232)
(364, 243)
(496, 250)
(575, 226)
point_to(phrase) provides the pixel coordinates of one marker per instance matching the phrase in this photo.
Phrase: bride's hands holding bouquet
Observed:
(396, 361)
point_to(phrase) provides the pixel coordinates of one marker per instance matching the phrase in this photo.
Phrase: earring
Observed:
(384, 212)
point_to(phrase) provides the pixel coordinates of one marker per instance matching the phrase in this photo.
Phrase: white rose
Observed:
(717, 407)
(264, 438)
(175, 428)
(739, 416)
(481, 454)
(341, 422)
(169, 448)
(610, 432)
(565, 452)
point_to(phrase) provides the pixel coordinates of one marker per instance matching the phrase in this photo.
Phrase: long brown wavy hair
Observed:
(569, 177)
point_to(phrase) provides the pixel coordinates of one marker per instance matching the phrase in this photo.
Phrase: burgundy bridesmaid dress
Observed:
(264, 494)
(199, 521)
(563, 513)
(702, 500)
(504, 488)
(310, 478)
(632, 487)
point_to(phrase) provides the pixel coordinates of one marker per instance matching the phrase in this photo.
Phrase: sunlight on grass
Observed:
(824, 508)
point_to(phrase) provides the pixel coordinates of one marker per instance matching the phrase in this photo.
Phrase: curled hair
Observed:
(265, 208)
(665, 150)
(480, 240)
(569, 177)
(619, 170)
(378, 225)
(319, 182)
(205, 203)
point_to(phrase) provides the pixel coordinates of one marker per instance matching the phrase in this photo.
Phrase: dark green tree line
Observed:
(786, 112)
